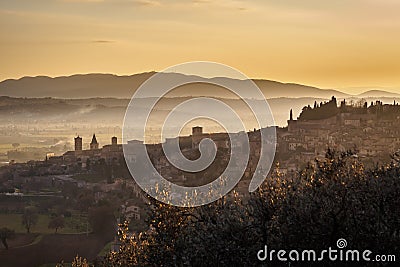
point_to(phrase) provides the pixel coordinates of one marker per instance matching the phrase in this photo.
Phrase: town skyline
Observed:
(199, 132)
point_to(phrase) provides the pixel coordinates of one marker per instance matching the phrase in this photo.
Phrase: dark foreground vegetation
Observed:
(330, 199)
(52, 248)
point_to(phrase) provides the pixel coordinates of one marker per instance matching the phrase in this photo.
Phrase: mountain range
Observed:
(109, 85)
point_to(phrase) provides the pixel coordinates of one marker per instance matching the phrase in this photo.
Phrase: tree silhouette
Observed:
(29, 218)
(56, 223)
(5, 234)
(331, 198)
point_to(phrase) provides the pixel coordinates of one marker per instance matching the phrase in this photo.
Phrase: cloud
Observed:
(102, 41)
(146, 2)
(134, 2)
(230, 4)
(201, 1)
(82, 1)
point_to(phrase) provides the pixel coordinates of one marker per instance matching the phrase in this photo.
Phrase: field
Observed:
(43, 247)
(53, 248)
(74, 224)
(4, 147)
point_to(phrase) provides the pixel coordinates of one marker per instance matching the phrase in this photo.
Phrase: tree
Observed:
(5, 234)
(331, 198)
(76, 262)
(29, 218)
(102, 220)
(85, 200)
(336, 197)
(15, 145)
(88, 164)
(56, 223)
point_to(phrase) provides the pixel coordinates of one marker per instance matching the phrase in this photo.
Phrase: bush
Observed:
(330, 199)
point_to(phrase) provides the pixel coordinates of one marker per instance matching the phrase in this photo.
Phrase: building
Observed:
(78, 143)
(132, 213)
(94, 144)
(114, 141)
(372, 131)
(111, 153)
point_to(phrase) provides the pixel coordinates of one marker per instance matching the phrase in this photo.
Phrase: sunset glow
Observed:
(330, 44)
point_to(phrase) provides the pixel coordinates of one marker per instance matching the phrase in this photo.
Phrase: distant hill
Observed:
(112, 110)
(75, 86)
(108, 85)
(378, 93)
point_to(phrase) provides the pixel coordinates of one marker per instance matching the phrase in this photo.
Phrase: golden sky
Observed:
(345, 44)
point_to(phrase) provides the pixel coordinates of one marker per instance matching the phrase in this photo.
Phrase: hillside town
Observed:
(92, 190)
(371, 130)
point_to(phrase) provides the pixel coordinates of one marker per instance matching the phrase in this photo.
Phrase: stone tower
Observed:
(197, 135)
(291, 123)
(78, 143)
(114, 140)
(94, 144)
(197, 130)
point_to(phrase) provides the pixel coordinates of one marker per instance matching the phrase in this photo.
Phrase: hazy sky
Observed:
(330, 44)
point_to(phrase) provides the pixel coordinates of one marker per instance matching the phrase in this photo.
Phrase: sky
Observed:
(352, 45)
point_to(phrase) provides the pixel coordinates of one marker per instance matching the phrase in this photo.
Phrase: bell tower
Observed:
(78, 143)
(94, 144)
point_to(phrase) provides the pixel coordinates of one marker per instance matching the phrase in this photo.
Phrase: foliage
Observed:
(75, 224)
(29, 218)
(77, 262)
(102, 220)
(56, 223)
(323, 111)
(332, 198)
(6, 233)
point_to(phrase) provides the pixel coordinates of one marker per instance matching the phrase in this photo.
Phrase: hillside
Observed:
(108, 85)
